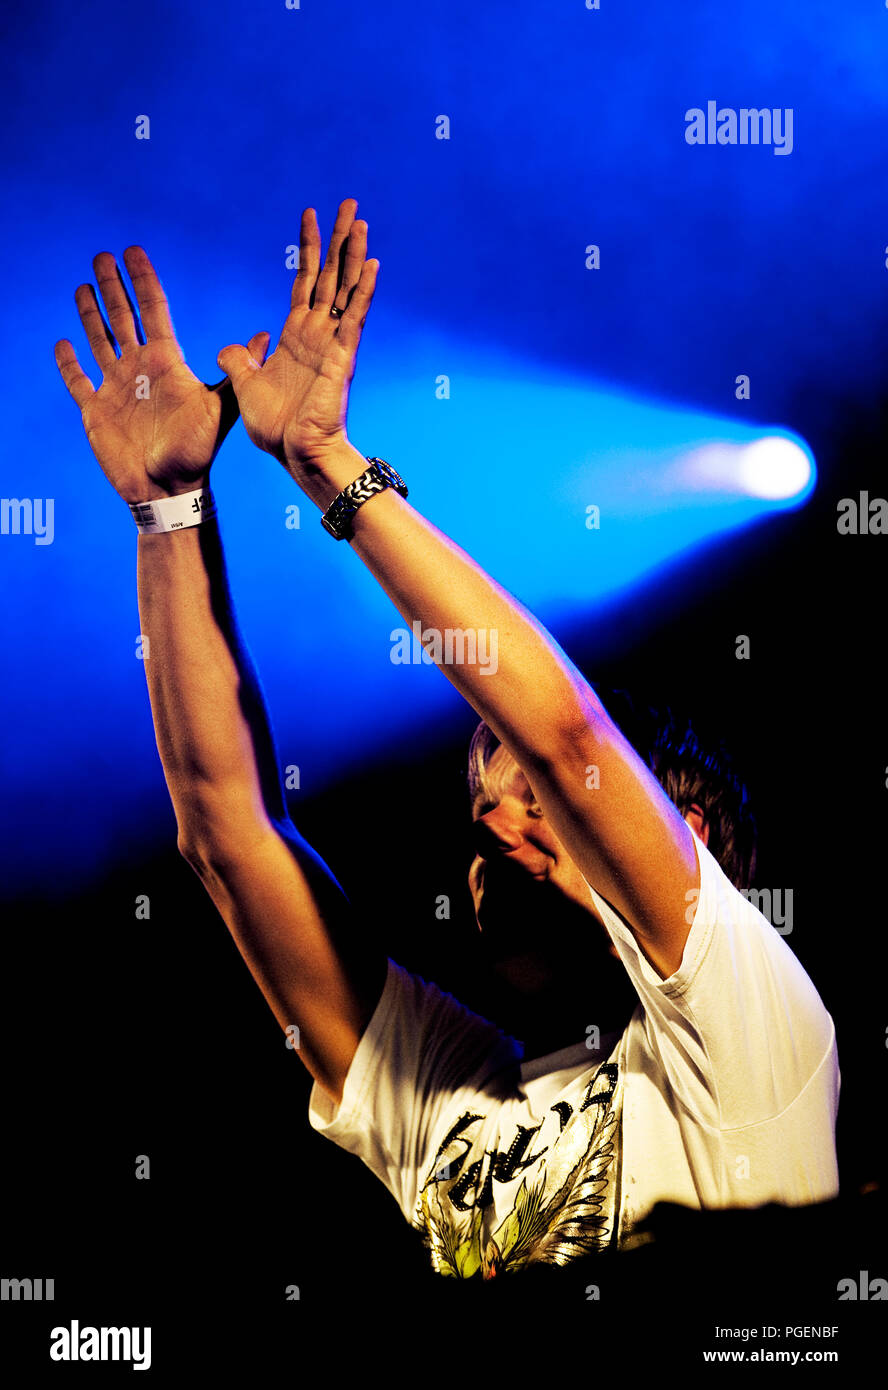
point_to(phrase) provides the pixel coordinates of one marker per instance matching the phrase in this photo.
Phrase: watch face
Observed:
(390, 475)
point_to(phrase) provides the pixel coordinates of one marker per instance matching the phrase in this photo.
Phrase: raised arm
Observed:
(285, 910)
(627, 838)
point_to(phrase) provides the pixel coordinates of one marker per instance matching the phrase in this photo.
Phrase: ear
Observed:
(476, 884)
(696, 821)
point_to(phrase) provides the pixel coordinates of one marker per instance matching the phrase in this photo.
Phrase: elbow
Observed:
(215, 830)
(215, 851)
(191, 852)
(574, 730)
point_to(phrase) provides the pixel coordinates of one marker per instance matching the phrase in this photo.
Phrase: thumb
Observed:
(240, 363)
(258, 346)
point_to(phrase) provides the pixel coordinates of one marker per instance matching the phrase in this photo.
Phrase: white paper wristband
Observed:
(174, 513)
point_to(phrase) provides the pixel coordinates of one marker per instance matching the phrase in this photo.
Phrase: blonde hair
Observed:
(481, 749)
(689, 774)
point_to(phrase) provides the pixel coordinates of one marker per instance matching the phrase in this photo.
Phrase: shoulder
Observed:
(432, 1033)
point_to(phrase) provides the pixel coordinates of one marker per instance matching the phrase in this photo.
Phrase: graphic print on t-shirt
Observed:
(565, 1205)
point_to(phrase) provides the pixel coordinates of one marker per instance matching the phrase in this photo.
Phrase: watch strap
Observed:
(337, 519)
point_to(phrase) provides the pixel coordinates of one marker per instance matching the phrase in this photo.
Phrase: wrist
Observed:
(174, 511)
(151, 491)
(323, 476)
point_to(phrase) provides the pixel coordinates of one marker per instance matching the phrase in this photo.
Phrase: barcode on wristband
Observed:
(174, 513)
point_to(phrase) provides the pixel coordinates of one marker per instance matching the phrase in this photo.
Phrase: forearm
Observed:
(212, 729)
(526, 688)
(286, 912)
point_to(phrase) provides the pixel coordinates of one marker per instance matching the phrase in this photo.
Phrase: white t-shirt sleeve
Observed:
(739, 1029)
(420, 1048)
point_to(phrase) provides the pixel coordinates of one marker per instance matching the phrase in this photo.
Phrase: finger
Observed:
(238, 363)
(229, 407)
(121, 314)
(73, 375)
(355, 252)
(258, 346)
(309, 259)
(98, 334)
(152, 301)
(255, 348)
(328, 280)
(352, 321)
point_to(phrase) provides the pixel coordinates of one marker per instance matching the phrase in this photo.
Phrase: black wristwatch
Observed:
(338, 516)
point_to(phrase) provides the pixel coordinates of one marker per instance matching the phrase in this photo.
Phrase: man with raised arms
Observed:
(678, 1050)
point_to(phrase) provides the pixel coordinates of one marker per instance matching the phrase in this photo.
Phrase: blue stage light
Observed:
(777, 468)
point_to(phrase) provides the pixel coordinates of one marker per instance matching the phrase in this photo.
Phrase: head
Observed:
(554, 966)
(522, 876)
(697, 778)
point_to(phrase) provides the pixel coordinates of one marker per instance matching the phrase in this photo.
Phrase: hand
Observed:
(294, 406)
(157, 435)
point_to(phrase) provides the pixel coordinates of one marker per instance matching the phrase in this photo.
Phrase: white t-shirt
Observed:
(722, 1091)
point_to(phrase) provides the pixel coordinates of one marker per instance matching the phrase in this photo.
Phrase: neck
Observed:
(558, 1015)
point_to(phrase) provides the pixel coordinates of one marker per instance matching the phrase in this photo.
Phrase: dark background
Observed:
(125, 1037)
(154, 1039)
